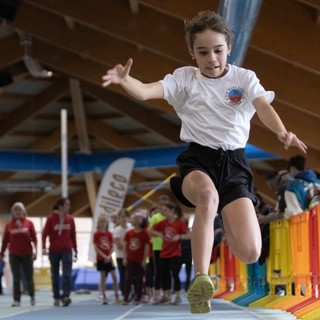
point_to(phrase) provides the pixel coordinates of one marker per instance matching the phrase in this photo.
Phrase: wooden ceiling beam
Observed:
(80, 116)
(53, 141)
(134, 28)
(291, 83)
(131, 108)
(106, 134)
(302, 124)
(87, 42)
(13, 51)
(30, 108)
(180, 8)
(312, 3)
(280, 36)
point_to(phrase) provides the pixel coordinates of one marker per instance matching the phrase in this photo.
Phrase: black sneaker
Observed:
(32, 301)
(66, 301)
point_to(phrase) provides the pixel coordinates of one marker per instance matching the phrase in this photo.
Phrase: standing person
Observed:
(2, 265)
(21, 238)
(157, 216)
(172, 230)
(118, 235)
(61, 230)
(186, 257)
(135, 253)
(102, 241)
(215, 102)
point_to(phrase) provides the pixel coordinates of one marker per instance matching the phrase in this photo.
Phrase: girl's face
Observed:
(210, 50)
(122, 218)
(17, 212)
(102, 223)
(135, 220)
(65, 207)
(167, 212)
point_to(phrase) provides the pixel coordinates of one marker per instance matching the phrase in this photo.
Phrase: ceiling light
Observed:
(26, 186)
(33, 65)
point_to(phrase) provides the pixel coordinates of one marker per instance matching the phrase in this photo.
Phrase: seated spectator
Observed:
(277, 181)
(302, 193)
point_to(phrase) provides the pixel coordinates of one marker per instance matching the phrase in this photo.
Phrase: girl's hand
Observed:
(289, 139)
(117, 74)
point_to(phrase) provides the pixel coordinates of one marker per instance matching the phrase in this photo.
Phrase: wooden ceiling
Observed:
(78, 40)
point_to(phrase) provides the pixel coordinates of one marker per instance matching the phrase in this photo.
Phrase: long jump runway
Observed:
(87, 307)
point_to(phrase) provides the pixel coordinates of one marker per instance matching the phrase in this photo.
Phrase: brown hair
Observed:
(174, 206)
(206, 20)
(59, 203)
(125, 211)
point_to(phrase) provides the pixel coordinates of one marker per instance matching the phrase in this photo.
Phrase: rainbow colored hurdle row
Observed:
(294, 258)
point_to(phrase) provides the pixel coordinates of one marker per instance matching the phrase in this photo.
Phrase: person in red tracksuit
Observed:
(20, 236)
(172, 230)
(61, 230)
(135, 252)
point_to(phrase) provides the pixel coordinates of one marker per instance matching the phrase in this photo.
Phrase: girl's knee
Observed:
(207, 197)
(250, 255)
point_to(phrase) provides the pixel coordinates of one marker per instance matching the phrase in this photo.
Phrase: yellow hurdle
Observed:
(279, 263)
(299, 241)
(42, 279)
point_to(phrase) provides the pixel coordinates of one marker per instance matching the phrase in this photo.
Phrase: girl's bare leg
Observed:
(199, 189)
(242, 229)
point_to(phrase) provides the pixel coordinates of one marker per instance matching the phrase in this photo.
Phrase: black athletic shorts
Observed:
(229, 170)
(105, 266)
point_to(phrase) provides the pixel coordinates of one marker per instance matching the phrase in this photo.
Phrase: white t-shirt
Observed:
(214, 112)
(119, 232)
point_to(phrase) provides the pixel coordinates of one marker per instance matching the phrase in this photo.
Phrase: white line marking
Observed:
(128, 312)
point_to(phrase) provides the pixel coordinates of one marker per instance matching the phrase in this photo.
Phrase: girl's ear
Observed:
(191, 53)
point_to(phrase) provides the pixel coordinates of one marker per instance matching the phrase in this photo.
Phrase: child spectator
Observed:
(135, 253)
(102, 240)
(118, 235)
(172, 230)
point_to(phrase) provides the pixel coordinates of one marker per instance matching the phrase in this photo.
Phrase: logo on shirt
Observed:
(169, 233)
(234, 96)
(104, 243)
(134, 244)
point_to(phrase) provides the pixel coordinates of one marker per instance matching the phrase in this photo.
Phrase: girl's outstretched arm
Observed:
(119, 74)
(271, 120)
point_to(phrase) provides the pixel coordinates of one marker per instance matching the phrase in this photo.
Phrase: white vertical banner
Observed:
(64, 153)
(111, 194)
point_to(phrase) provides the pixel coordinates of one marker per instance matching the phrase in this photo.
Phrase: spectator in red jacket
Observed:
(20, 236)
(60, 228)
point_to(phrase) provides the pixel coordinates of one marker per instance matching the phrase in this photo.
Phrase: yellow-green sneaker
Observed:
(200, 293)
